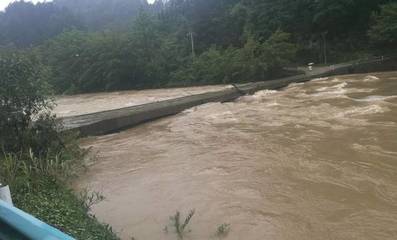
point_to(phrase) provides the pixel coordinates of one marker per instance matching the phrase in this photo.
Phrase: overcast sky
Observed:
(4, 3)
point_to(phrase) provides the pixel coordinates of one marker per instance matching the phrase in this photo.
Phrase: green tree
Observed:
(35, 159)
(103, 14)
(88, 62)
(255, 61)
(277, 51)
(24, 24)
(23, 97)
(64, 55)
(384, 30)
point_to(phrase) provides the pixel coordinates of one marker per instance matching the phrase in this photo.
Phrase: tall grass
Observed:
(18, 168)
(179, 226)
(38, 187)
(9, 168)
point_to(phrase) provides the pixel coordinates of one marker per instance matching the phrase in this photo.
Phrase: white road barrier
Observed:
(5, 194)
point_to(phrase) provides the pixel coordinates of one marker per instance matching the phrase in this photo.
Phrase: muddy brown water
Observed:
(311, 161)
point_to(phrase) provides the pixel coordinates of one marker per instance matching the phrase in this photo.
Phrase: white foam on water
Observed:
(376, 150)
(331, 94)
(339, 90)
(222, 117)
(367, 110)
(320, 79)
(247, 99)
(257, 96)
(333, 88)
(292, 85)
(190, 110)
(272, 104)
(200, 107)
(265, 93)
(375, 98)
(370, 78)
(335, 80)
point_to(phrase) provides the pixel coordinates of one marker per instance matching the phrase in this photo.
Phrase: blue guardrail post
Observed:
(18, 225)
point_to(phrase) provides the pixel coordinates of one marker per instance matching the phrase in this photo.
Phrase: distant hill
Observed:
(25, 24)
(99, 14)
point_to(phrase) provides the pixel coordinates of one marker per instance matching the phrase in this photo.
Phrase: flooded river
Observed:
(311, 161)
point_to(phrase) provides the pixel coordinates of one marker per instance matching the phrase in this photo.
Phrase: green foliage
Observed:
(57, 205)
(30, 143)
(89, 62)
(23, 170)
(23, 97)
(24, 24)
(138, 45)
(277, 51)
(181, 227)
(62, 54)
(100, 14)
(223, 230)
(10, 169)
(343, 23)
(208, 68)
(384, 30)
(35, 159)
(255, 61)
(89, 199)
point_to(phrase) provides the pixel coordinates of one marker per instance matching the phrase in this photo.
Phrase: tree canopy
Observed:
(96, 45)
(384, 30)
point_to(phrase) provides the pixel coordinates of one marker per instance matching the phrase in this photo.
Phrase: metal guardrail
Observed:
(16, 224)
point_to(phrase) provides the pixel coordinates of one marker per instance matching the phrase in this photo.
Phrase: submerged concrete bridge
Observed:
(104, 122)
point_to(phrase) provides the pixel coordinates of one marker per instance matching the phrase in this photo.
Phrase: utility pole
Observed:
(192, 42)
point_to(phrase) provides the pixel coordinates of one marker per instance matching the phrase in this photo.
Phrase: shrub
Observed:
(23, 96)
(30, 141)
(180, 227)
(223, 230)
(384, 30)
(58, 206)
(255, 61)
(35, 158)
(27, 127)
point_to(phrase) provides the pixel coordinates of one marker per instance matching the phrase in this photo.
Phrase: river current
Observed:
(311, 161)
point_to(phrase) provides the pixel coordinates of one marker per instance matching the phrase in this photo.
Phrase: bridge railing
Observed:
(16, 224)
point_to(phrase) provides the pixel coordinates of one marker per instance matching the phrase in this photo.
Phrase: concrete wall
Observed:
(114, 120)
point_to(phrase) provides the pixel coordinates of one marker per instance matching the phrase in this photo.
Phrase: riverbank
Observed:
(56, 204)
(40, 187)
(37, 161)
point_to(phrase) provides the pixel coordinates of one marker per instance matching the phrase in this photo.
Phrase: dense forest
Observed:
(102, 45)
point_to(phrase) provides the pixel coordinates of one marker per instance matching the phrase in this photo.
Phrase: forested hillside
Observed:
(100, 45)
